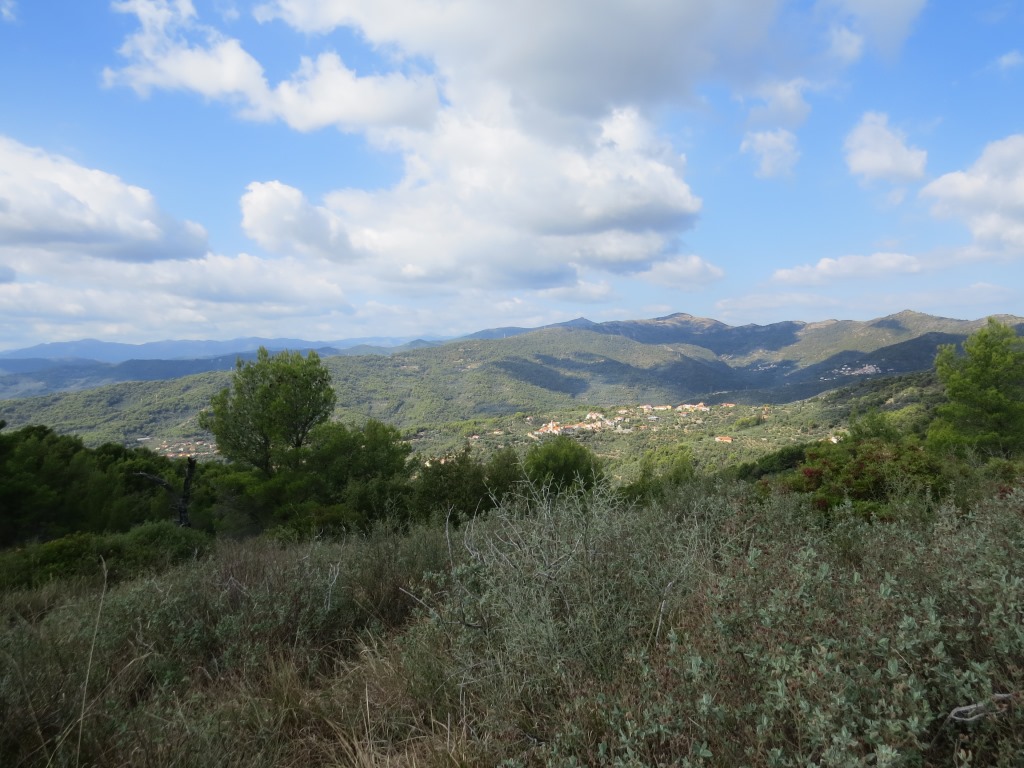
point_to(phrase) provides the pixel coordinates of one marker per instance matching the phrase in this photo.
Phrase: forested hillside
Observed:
(547, 372)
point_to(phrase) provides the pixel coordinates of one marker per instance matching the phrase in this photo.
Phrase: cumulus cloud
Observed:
(876, 151)
(281, 219)
(530, 160)
(58, 296)
(776, 151)
(582, 292)
(486, 203)
(688, 273)
(988, 196)
(50, 202)
(173, 51)
(876, 265)
(784, 102)
(562, 57)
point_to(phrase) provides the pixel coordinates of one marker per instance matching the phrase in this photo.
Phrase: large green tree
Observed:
(271, 406)
(561, 464)
(985, 393)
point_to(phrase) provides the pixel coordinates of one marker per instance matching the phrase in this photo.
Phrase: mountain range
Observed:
(490, 373)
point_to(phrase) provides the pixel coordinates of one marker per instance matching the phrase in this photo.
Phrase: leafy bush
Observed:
(873, 475)
(148, 548)
(562, 463)
(731, 632)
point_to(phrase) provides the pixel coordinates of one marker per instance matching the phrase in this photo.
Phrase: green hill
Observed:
(549, 371)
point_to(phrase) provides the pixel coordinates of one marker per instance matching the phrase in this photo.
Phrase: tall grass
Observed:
(719, 627)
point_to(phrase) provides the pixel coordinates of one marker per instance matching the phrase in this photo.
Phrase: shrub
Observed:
(562, 463)
(148, 548)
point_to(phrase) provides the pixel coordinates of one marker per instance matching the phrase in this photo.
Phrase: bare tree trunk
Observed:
(185, 497)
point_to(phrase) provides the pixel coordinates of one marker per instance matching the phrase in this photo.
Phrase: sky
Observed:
(334, 169)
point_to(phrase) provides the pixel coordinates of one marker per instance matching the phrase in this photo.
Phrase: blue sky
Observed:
(331, 169)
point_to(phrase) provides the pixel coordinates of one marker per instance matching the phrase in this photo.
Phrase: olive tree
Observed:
(270, 407)
(985, 393)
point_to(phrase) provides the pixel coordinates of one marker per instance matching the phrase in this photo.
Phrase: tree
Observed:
(985, 393)
(365, 468)
(661, 470)
(270, 407)
(454, 486)
(562, 463)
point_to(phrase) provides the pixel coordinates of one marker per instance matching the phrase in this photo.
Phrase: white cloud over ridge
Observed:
(51, 203)
(533, 168)
(988, 196)
(61, 297)
(876, 151)
(876, 265)
(685, 273)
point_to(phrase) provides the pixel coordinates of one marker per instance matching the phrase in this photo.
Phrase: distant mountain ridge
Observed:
(116, 352)
(672, 359)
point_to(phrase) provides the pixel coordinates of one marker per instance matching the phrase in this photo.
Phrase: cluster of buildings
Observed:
(846, 370)
(595, 422)
(201, 449)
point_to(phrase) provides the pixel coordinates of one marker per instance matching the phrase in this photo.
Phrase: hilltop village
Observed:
(627, 419)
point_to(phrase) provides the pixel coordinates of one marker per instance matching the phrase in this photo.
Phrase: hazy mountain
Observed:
(113, 352)
(667, 360)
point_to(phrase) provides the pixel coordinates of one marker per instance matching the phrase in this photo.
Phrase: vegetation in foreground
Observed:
(835, 604)
(717, 627)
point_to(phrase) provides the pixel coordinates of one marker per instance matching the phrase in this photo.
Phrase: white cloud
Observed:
(876, 151)
(582, 292)
(8, 10)
(845, 267)
(754, 305)
(531, 164)
(1010, 60)
(776, 151)
(565, 57)
(845, 45)
(49, 202)
(885, 23)
(279, 218)
(60, 296)
(688, 273)
(988, 196)
(173, 51)
(784, 102)
(485, 203)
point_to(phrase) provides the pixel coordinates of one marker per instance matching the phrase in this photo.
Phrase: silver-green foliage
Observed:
(720, 630)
